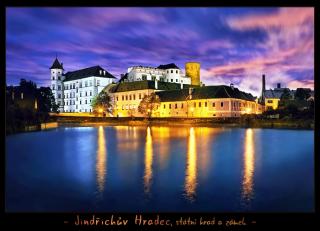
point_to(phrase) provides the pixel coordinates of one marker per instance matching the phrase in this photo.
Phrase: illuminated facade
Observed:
(74, 91)
(183, 101)
(164, 73)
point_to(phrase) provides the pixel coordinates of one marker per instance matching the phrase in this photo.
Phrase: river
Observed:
(166, 169)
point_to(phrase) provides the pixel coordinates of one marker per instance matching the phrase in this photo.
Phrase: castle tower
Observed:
(193, 71)
(56, 83)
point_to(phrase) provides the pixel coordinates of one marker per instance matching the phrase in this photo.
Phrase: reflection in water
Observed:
(191, 169)
(148, 162)
(101, 160)
(127, 137)
(247, 182)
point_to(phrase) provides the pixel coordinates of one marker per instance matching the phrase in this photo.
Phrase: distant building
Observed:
(24, 99)
(74, 91)
(164, 73)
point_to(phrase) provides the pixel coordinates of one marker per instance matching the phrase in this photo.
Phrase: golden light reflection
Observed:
(101, 163)
(249, 166)
(127, 137)
(148, 162)
(191, 169)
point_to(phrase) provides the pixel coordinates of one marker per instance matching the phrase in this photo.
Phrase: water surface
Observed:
(166, 169)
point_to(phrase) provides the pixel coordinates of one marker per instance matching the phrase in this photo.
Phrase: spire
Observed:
(56, 64)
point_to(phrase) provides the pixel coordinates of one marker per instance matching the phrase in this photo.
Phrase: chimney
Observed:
(278, 85)
(231, 85)
(263, 87)
(156, 84)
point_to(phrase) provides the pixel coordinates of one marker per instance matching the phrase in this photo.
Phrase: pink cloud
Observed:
(285, 17)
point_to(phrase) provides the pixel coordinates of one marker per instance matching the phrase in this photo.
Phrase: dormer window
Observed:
(104, 72)
(100, 72)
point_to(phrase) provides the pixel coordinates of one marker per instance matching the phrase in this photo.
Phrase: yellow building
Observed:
(272, 103)
(185, 101)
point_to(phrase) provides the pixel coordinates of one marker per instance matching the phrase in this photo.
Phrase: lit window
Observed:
(21, 95)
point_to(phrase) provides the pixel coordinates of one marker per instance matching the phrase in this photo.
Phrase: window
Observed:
(59, 87)
(129, 97)
(171, 71)
(86, 83)
(195, 104)
(167, 72)
(139, 95)
(176, 80)
(269, 101)
(169, 105)
(213, 104)
(85, 93)
(153, 78)
(74, 86)
(80, 93)
(177, 71)
(21, 95)
(86, 102)
(77, 98)
(134, 97)
(126, 97)
(116, 97)
(182, 105)
(199, 104)
(53, 87)
(122, 98)
(164, 106)
(171, 80)
(90, 93)
(221, 104)
(122, 107)
(205, 104)
(80, 84)
(98, 82)
(59, 96)
(80, 101)
(58, 77)
(176, 105)
(144, 77)
(90, 83)
(52, 77)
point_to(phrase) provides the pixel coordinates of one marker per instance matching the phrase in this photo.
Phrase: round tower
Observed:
(193, 71)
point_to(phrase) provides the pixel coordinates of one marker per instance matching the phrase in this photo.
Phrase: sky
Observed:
(233, 44)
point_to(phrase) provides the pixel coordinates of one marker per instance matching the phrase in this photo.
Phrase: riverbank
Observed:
(203, 122)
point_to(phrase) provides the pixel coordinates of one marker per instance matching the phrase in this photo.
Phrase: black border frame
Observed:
(269, 221)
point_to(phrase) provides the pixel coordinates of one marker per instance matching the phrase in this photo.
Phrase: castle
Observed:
(180, 95)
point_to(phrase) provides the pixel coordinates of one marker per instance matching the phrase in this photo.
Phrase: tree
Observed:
(302, 93)
(148, 104)
(286, 94)
(46, 102)
(102, 103)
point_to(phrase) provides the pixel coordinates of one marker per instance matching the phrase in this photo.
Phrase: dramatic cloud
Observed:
(233, 45)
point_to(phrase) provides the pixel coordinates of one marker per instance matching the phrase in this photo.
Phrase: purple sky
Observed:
(233, 45)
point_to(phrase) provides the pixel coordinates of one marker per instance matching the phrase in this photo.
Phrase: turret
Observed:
(193, 71)
(56, 82)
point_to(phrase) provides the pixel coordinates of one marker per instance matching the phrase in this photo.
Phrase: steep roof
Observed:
(146, 84)
(168, 66)
(276, 93)
(87, 72)
(204, 93)
(56, 65)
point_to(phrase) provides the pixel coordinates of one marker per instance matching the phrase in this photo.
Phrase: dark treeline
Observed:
(27, 105)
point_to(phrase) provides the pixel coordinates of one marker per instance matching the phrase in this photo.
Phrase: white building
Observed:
(74, 91)
(164, 73)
